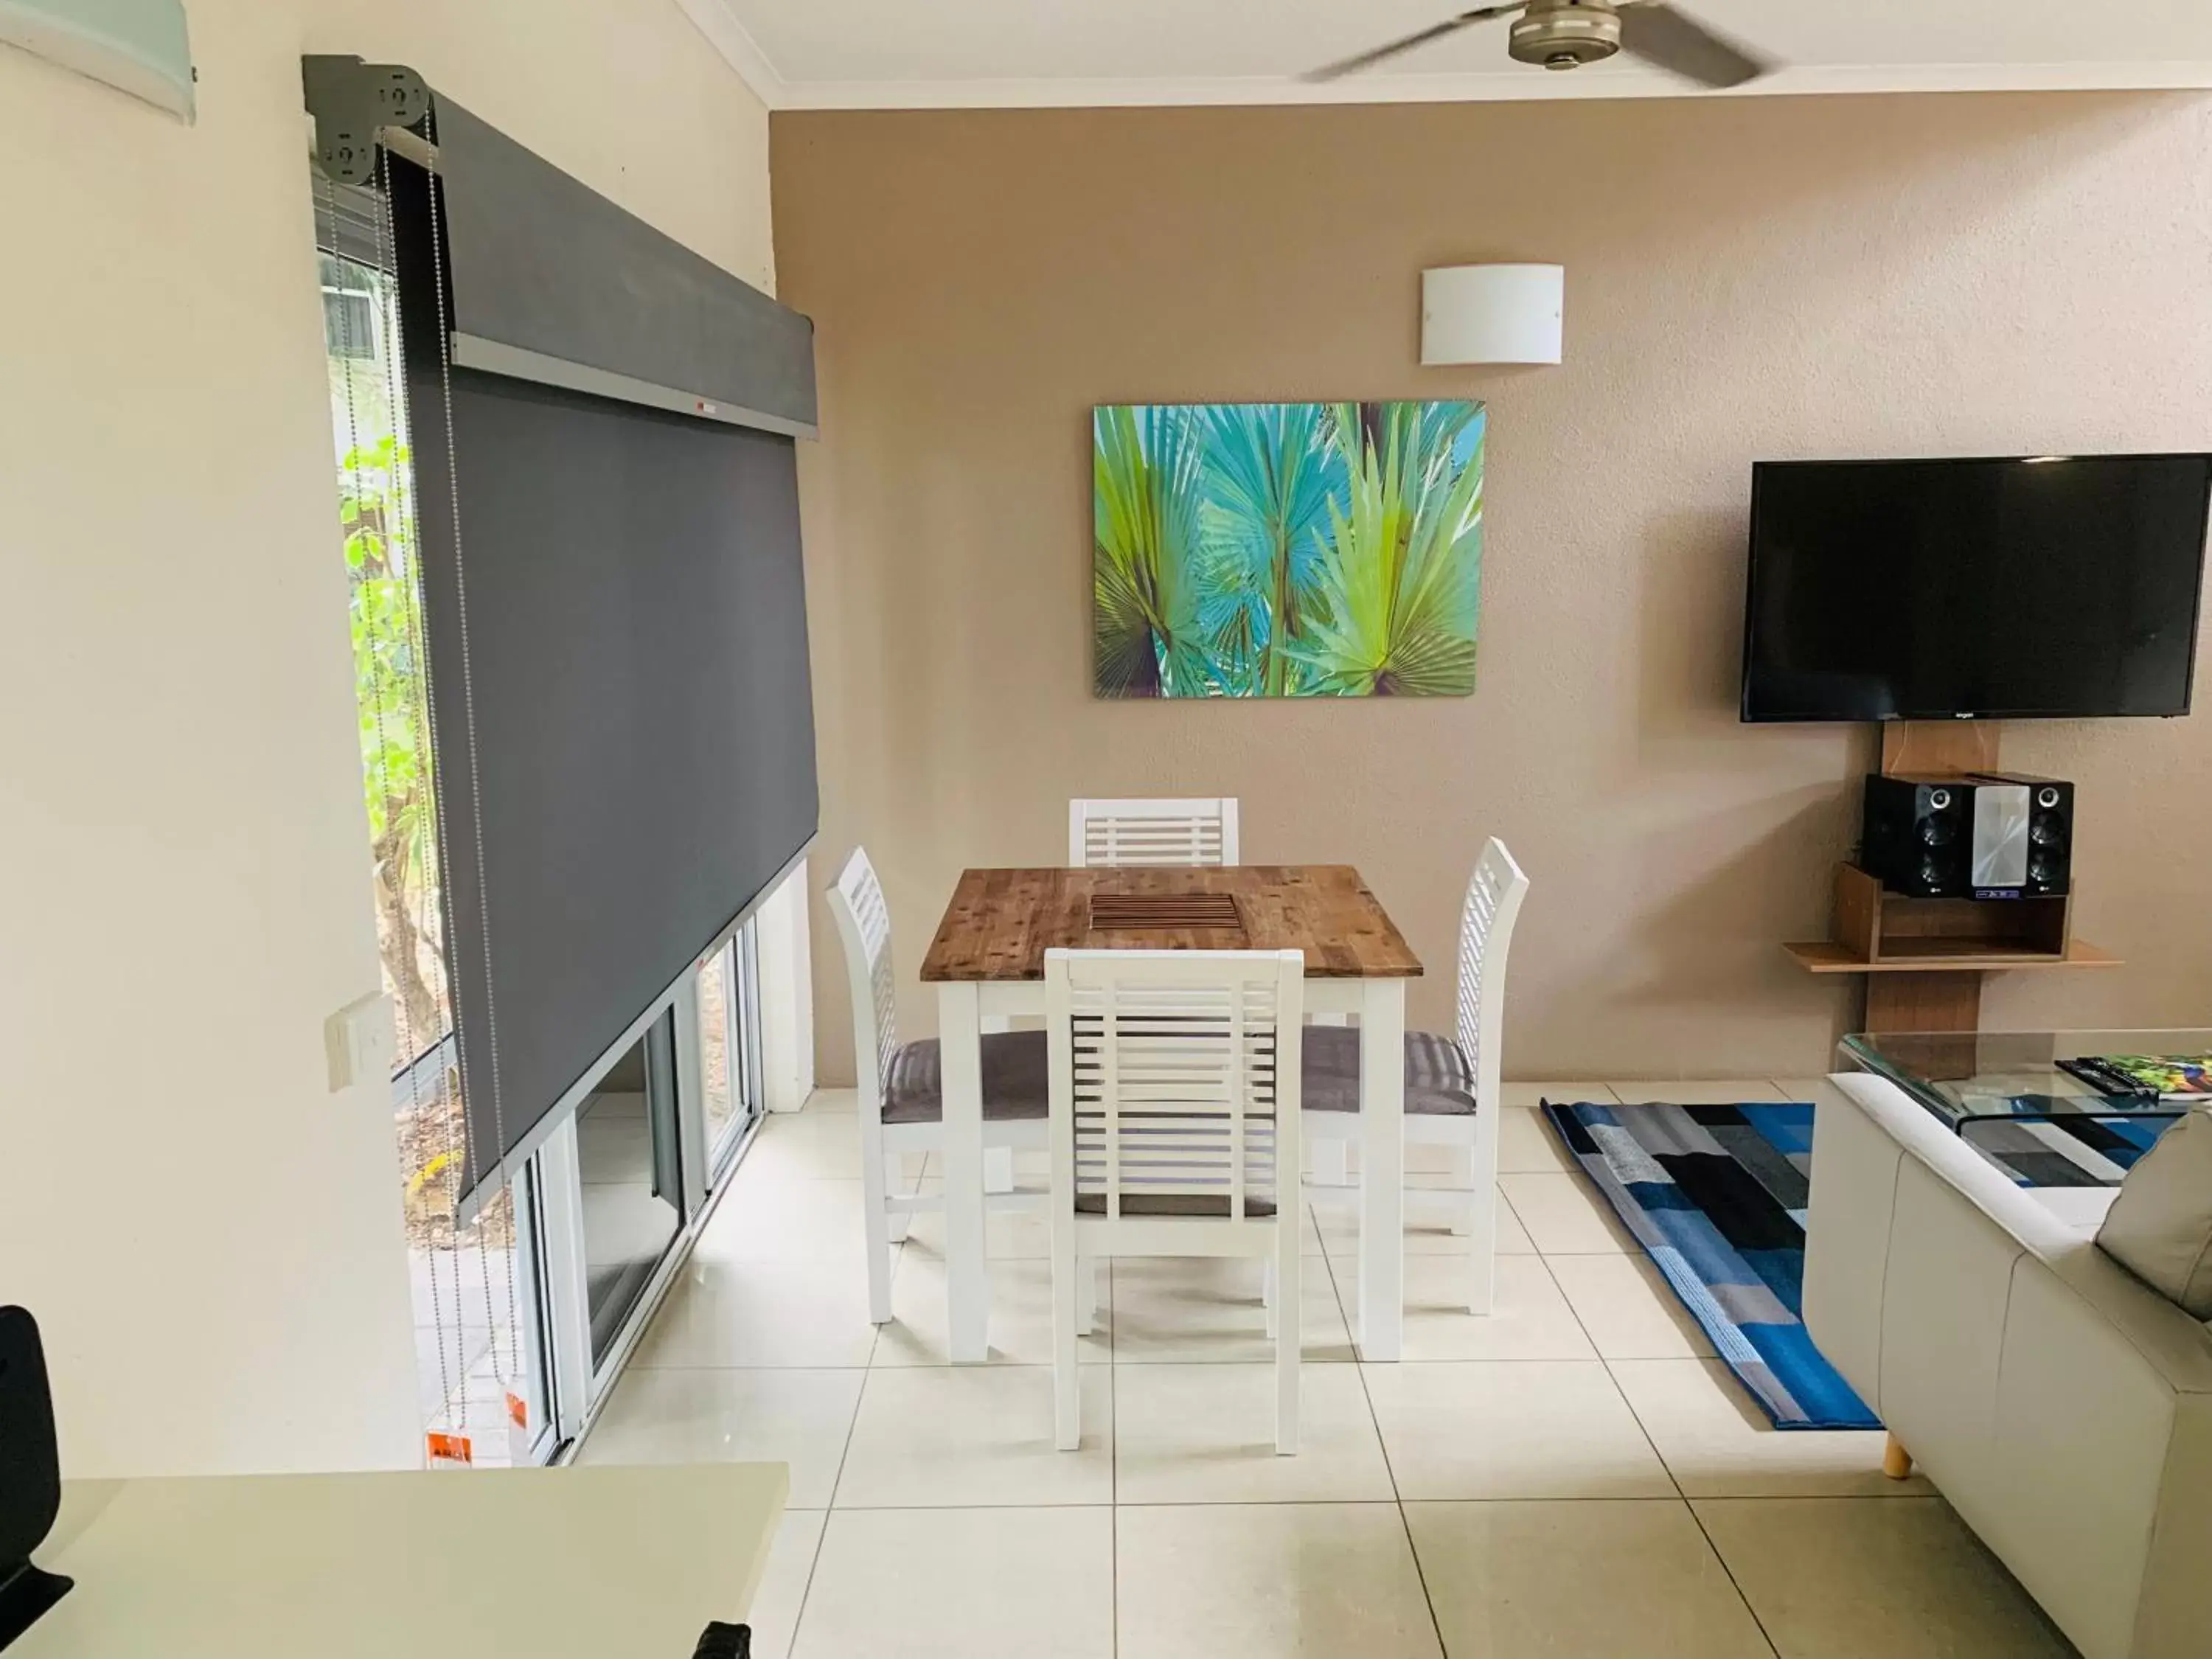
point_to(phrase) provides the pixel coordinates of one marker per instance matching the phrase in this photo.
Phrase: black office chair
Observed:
(30, 1476)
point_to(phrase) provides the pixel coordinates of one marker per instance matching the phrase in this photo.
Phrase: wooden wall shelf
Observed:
(1825, 957)
(1924, 958)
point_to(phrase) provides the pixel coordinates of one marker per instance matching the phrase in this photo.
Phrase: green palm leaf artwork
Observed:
(1286, 549)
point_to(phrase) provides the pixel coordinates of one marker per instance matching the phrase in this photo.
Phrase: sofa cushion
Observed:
(2159, 1228)
(1439, 1082)
(1015, 1079)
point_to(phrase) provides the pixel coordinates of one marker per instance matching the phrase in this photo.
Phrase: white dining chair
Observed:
(1174, 1088)
(1106, 835)
(902, 1104)
(1451, 1082)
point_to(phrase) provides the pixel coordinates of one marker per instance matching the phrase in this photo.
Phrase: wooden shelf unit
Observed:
(1924, 958)
(1827, 956)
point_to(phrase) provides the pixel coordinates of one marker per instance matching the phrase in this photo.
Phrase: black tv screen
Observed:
(1993, 589)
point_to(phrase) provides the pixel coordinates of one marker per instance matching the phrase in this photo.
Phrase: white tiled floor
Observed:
(1575, 1475)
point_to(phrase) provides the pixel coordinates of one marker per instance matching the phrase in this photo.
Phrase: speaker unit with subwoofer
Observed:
(2041, 861)
(30, 1476)
(1987, 836)
(1918, 833)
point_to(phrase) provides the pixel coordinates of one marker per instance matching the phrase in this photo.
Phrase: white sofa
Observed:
(2062, 1406)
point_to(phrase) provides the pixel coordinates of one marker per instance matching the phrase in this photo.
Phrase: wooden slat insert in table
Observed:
(1165, 913)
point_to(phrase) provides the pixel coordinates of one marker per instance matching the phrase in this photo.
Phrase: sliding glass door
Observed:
(630, 1170)
(729, 1048)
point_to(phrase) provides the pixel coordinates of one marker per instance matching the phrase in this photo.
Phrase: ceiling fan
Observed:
(1565, 34)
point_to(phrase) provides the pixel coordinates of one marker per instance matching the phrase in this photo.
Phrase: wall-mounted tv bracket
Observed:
(358, 106)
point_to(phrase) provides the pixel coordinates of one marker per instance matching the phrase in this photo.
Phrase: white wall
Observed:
(210, 1239)
(787, 993)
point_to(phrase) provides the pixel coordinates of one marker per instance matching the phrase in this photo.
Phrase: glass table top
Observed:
(1968, 1077)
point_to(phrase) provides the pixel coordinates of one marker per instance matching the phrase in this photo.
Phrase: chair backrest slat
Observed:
(1179, 1069)
(1106, 835)
(864, 925)
(1485, 932)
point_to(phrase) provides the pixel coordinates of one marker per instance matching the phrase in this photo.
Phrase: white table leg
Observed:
(1382, 1167)
(997, 1161)
(968, 1289)
(1328, 1161)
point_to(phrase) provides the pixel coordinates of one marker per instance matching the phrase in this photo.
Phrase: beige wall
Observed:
(1769, 277)
(211, 1238)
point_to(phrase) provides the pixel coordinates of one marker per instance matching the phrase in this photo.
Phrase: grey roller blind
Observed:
(644, 736)
(622, 708)
(549, 277)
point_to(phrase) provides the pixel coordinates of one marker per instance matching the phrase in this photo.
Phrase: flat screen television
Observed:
(1922, 589)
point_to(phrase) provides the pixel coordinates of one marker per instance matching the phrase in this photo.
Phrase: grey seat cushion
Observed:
(1173, 1203)
(1014, 1080)
(2159, 1228)
(1438, 1081)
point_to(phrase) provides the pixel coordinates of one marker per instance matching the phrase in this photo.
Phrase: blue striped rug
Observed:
(1715, 1195)
(2066, 1149)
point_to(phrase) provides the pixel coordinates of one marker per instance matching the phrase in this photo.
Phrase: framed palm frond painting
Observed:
(1285, 550)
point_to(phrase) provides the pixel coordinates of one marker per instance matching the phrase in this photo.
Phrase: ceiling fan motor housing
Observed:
(1565, 34)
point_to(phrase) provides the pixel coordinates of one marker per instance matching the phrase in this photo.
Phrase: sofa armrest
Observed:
(1924, 1136)
(2064, 1407)
(2175, 1345)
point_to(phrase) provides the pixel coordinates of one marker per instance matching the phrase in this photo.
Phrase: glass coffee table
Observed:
(2005, 1092)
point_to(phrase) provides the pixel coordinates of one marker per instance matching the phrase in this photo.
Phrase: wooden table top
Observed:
(1000, 922)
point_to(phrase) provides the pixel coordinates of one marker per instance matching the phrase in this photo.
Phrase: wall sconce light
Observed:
(138, 47)
(1492, 313)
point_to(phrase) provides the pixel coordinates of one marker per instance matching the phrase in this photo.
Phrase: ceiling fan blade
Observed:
(1338, 70)
(1659, 34)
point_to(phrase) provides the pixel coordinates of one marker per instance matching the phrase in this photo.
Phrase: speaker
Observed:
(1917, 835)
(2045, 806)
(30, 1476)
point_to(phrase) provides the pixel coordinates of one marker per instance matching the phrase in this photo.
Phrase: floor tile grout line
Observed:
(807, 1590)
(1112, 1473)
(1642, 1428)
(633, 1366)
(1170, 1362)
(828, 1511)
(1672, 1480)
(829, 1505)
(1582, 1325)
(1379, 1503)
(1734, 1583)
(1611, 1376)
(1390, 1469)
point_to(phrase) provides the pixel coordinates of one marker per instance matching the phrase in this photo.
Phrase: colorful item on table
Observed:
(2146, 1077)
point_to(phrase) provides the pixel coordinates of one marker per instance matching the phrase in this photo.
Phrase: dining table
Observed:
(987, 962)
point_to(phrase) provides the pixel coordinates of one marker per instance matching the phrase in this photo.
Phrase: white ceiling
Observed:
(860, 54)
